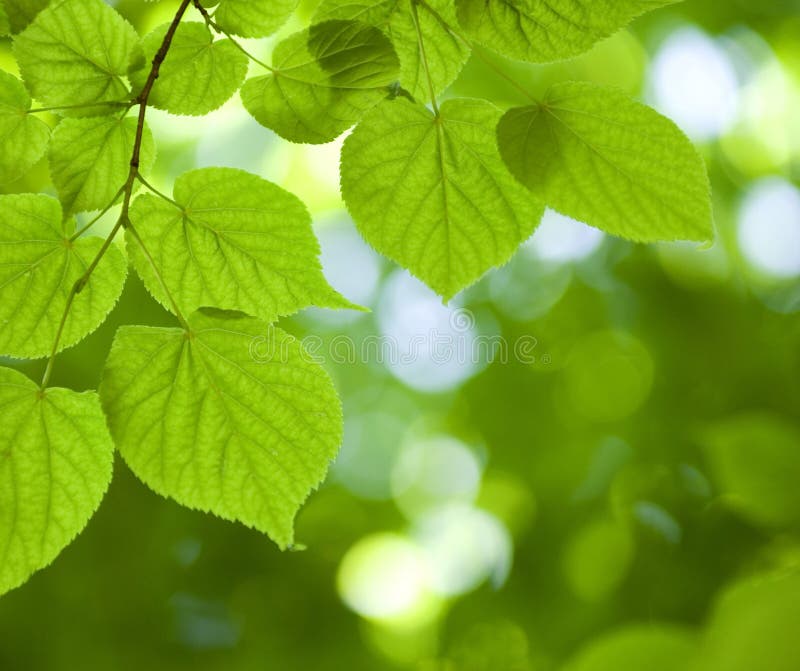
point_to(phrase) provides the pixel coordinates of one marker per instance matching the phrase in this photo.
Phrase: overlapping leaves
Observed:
(90, 159)
(597, 156)
(199, 73)
(430, 54)
(323, 80)
(547, 30)
(253, 18)
(227, 414)
(19, 13)
(63, 68)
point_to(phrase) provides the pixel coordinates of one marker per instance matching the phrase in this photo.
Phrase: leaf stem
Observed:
(219, 29)
(158, 193)
(424, 57)
(85, 228)
(134, 233)
(478, 51)
(79, 285)
(126, 190)
(109, 103)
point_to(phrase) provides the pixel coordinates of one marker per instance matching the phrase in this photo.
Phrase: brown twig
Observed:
(127, 189)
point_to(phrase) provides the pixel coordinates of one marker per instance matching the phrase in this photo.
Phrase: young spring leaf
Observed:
(23, 137)
(432, 193)
(5, 24)
(432, 50)
(231, 418)
(77, 52)
(595, 155)
(90, 159)
(323, 81)
(198, 75)
(21, 12)
(56, 459)
(538, 31)
(39, 265)
(253, 18)
(231, 240)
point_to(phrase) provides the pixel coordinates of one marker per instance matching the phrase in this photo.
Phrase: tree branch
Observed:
(126, 190)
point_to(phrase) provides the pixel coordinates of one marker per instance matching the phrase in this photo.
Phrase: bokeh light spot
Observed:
(433, 471)
(769, 227)
(562, 239)
(430, 348)
(350, 266)
(463, 546)
(383, 576)
(695, 84)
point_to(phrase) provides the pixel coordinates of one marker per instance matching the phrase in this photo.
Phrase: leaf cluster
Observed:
(446, 189)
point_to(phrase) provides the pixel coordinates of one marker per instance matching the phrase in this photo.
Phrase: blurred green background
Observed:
(625, 497)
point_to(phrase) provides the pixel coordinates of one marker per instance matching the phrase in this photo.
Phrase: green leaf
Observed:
(21, 12)
(90, 159)
(77, 52)
(432, 193)
(444, 53)
(253, 18)
(532, 30)
(323, 81)
(23, 137)
(56, 459)
(755, 461)
(198, 75)
(231, 240)
(597, 156)
(231, 418)
(39, 265)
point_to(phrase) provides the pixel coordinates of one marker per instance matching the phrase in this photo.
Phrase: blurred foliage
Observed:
(625, 499)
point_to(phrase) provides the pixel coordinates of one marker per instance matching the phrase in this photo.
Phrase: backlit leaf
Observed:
(56, 456)
(597, 156)
(23, 137)
(432, 193)
(444, 54)
(231, 418)
(198, 74)
(77, 52)
(253, 18)
(39, 265)
(234, 241)
(542, 31)
(90, 159)
(324, 79)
